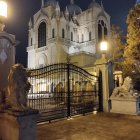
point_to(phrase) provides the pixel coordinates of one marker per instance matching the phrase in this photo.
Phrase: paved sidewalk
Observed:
(103, 126)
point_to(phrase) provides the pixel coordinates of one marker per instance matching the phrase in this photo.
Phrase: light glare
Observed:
(103, 46)
(3, 8)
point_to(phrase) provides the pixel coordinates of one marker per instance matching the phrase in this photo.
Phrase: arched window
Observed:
(82, 38)
(63, 33)
(89, 36)
(31, 41)
(77, 38)
(53, 33)
(105, 32)
(42, 34)
(99, 32)
(102, 30)
(42, 60)
(102, 23)
(71, 36)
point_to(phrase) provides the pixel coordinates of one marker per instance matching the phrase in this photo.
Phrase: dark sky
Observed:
(20, 12)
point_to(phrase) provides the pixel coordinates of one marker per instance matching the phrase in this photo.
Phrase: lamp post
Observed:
(3, 14)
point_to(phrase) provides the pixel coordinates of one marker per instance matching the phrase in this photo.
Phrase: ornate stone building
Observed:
(55, 35)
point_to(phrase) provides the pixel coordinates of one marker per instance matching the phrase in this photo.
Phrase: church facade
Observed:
(56, 36)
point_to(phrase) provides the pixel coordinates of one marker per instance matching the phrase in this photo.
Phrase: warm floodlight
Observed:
(3, 8)
(103, 46)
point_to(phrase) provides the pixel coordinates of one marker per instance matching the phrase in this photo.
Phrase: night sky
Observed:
(20, 12)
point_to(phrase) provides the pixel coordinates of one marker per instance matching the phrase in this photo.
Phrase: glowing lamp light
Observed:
(103, 46)
(3, 8)
(95, 111)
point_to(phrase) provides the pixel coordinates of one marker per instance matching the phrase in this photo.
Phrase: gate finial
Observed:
(68, 59)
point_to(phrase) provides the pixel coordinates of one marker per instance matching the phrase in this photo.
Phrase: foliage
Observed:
(117, 41)
(132, 50)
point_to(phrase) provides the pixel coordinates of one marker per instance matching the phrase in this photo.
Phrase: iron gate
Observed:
(63, 90)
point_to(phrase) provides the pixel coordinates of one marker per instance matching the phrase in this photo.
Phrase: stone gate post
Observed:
(105, 67)
(17, 125)
(7, 57)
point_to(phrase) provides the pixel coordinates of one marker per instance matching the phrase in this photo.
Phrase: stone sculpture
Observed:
(77, 93)
(59, 88)
(77, 87)
(18, 87)
(126, 90)
(59, 92)
(89, 86)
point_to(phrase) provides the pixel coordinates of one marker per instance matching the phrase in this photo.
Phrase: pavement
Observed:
(102, 126)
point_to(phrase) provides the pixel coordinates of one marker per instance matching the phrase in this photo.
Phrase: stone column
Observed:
(18, 125)
(107, 81)
(7, 57)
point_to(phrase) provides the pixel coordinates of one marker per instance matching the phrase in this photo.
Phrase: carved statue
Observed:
(77, 87)
(59, 92)
(59, 88)
(18, 88)
(89, 86)
(77, 93)
(126, 90)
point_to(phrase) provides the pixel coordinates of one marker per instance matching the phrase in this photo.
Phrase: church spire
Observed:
(30, 24)
(138, 1)
(72, 1)
(42, 3)
(74, 16)
(102, 6)
(57, 6)
(66, 13)
(57, 10)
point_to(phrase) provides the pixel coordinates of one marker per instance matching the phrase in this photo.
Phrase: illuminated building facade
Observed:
(55, 34)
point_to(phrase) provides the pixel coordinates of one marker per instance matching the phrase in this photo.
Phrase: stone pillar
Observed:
(18, 125)
(7, 56)
(107, 81)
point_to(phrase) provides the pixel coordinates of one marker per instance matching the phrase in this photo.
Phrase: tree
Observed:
(132, 50)
(118, 45)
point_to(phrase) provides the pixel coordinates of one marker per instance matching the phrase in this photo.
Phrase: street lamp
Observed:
(3, 13)
(103, 48)
(3, 8)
